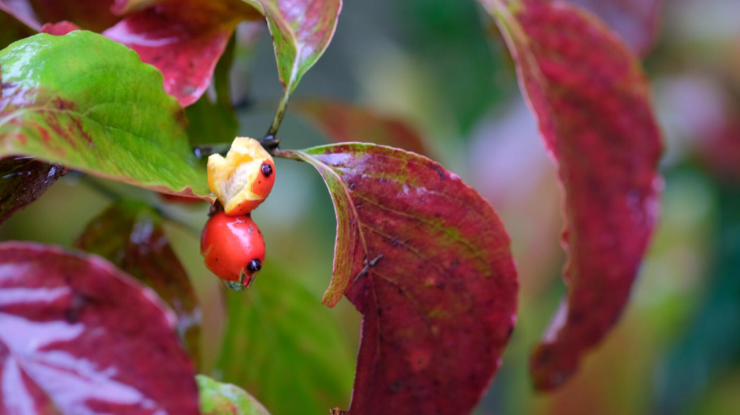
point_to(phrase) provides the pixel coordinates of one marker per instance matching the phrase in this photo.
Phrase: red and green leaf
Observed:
(637, 21)
(184, 39)
(427, 262)
(592, 102)
(225, 399)
(343, 122)
(131, 236)
(301, 31)
(90, 104)
(79, 336)
(22, 181)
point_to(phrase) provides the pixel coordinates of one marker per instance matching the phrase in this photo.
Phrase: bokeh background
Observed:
(442, 66)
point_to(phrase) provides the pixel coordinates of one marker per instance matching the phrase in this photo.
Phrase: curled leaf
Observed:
(592, 103)
(184, 39)
(427, 262)
(77, 336)
(301, 31)
(131, 236)
(90, 104)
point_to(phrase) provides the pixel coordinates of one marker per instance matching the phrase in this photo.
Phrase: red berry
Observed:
(233, 249)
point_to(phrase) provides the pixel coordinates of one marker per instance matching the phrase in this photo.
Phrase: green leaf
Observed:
(225, 399)
(284, 347)
(90, 104)
(131, 236)
(301, 31)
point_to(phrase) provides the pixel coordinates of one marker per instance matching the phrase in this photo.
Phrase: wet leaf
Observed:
(279, 338)
(90, 104)
(592, 103)
(131, 236)
(301, 31)
(226, 399)
(22, 181)
(637, 21)
(343, 122)
(79, 336)
(427, 262)
(183, 39)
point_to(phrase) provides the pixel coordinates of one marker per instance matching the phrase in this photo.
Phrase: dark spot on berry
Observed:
(266, 169)
(254, 265)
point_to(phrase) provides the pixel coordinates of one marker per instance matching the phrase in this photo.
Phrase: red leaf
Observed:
(343, 122)
(93, 15)
(130, 235)
(637, 21)
(427, 262)
(183, 39)
(78, 336)
(58, 29)
(89, 15)
(23, 181)
(592, 102)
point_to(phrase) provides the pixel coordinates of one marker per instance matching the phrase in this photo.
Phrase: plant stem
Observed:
(282, 107)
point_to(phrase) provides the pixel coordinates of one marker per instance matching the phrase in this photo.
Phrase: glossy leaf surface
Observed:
(592, 103)
(301, 31)
(131, 236)
(89, 104)
(279, 338)
(427, 262)
(79, 336)
(636, 21)
(343, 122)
(225, 399)
(183, 39)
(22, 181)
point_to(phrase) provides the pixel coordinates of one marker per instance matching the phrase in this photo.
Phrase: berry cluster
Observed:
(231, 242)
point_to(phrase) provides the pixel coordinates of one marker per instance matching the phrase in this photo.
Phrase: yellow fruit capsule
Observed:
(243, 179)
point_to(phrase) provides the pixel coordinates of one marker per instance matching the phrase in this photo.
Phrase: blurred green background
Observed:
(442, 66)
